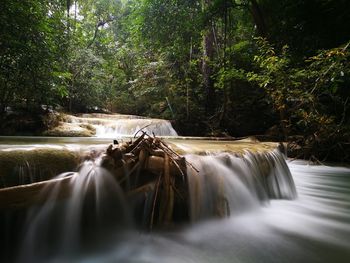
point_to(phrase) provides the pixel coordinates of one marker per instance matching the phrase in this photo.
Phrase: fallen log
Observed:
(22, 196)
(37, 193)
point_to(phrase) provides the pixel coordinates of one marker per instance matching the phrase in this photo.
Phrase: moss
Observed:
(206, 146)
(71, 130)
(89, 127)
(21, 167)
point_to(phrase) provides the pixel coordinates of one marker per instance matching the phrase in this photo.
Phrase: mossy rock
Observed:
(71, 130)
(23, 167)
(209, 146)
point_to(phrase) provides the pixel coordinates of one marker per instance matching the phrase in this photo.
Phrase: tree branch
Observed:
(100, 24)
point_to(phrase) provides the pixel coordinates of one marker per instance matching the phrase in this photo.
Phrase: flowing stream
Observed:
(116, 125)
(313, 228)
(300, 214)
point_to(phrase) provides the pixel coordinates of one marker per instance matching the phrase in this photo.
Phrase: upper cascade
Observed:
(118, 125)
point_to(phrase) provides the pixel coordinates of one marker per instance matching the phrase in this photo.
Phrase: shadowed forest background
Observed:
(276, 69)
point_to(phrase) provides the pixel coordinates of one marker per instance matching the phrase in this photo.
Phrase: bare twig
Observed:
(142, 129)
(326, 72)
(154, 201)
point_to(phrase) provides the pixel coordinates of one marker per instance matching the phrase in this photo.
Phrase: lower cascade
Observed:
(226, 184)
(96, 207)
(143, 184)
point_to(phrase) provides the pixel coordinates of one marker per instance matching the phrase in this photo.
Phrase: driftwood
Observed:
(144, 167)
(152, 169)
(26, 195)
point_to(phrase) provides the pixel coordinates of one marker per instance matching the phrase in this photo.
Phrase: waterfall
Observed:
(87, 208)
(116, 126)
(226, 184)
(82, 215)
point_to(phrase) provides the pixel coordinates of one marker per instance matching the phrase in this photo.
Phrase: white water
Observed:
(117, 126)
(313, 228)
(266, 223)
(229, 185)
(95, 211)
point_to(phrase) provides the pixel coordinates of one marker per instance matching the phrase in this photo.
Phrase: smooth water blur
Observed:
(116, 125)
(94, 213)
(27, 143)
(228, 185)
(313, 228)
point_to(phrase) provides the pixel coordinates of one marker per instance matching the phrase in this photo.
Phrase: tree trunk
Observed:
(208, 52)
(258, 17)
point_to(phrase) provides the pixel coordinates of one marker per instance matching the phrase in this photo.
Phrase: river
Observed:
(312, 227)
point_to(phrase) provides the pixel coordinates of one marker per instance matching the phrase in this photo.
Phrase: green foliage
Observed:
(87, 85)
(312, 100)
(326, 74)
(196, 62)
(331, 70)
(167, 24)
(280, 81)
(31, 40)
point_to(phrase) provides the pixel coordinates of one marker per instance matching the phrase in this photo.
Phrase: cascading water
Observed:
(77, 216)
(227, 184)
(315, 227)
(90, 210)
(116, 126)
(88, 218)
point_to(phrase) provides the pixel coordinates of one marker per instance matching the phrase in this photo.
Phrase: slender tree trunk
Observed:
(224, 64)
(259, 18)
(68, 4)
(4, 98)
(188, 84)
(208, 52)
(284, 122)
(75, 15)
